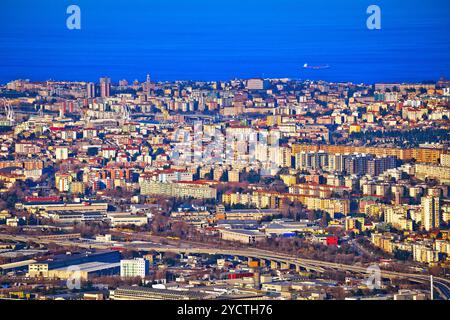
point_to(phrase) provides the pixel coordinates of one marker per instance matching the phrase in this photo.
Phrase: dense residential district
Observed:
(244, 189)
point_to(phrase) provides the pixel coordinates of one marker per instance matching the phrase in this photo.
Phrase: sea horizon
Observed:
(197, 40)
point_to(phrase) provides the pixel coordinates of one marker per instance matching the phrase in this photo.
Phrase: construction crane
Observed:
(40, 110)
(126, 113)
(9, 111)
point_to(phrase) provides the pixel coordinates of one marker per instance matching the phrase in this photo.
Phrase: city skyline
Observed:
(225, 151)
(250, 188)
(143, 78)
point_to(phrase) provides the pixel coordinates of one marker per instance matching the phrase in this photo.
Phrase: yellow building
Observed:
(263, 199)
(374, 210)
(356, 223)
(233, 175)
(77, 188)
(427, 155)
(445, 160)
(354, 128)
(440, 173)
(384, 242)
(289, 179)
(63, 181)
(425, 254)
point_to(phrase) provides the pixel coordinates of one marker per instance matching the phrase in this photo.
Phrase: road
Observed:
(441, 285)
(360, 249)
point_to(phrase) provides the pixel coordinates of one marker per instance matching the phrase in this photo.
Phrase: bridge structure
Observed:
(274, 260)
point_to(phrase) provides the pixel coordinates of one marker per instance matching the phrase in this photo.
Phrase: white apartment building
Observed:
(134, 268)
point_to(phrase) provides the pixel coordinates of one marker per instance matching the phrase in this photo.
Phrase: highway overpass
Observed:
(284, 261)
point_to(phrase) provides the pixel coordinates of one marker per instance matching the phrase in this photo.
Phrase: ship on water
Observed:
(318, 67)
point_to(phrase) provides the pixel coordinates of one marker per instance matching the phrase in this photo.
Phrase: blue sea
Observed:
(222, 40)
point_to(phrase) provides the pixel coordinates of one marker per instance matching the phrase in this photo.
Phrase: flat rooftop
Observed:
(92, 266)
(245, 232)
